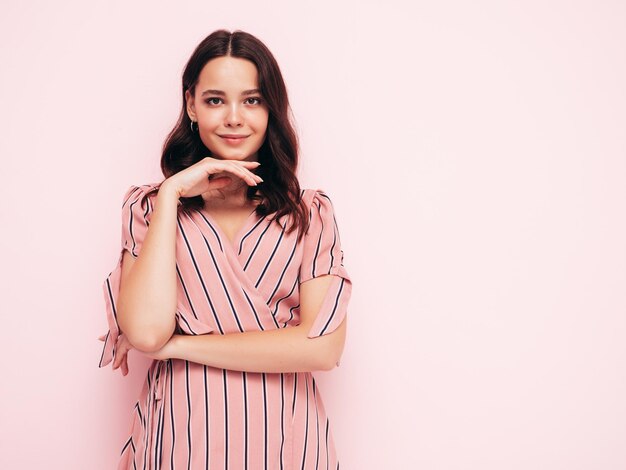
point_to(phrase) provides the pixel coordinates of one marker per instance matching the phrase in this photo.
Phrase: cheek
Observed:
(209, 118)
(260, 122)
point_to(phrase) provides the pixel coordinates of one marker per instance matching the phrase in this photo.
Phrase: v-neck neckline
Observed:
(222, 234)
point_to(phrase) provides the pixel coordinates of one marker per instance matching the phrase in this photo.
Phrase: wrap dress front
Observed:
(193, 416)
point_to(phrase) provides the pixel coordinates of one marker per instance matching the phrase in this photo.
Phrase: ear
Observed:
(191, 107)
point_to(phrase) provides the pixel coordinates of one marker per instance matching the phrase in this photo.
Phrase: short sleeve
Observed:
(322, 255)
(137, 207)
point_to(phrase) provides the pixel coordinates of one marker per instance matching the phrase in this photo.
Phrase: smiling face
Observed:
(227, 102)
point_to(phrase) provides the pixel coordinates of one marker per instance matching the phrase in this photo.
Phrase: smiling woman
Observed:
(232, 119)
(231, 278)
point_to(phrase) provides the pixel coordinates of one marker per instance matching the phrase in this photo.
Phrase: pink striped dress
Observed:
(192, 416)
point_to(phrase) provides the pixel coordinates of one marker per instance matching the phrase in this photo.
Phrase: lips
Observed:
(235, 140)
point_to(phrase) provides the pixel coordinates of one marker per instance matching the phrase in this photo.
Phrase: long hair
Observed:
(278, 155)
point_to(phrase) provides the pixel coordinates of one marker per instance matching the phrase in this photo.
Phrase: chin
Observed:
(235, 153)
(232, 155)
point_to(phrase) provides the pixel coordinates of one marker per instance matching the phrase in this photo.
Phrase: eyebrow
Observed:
(221, 93)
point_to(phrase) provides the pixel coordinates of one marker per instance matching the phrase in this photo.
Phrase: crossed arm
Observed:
(281, 350)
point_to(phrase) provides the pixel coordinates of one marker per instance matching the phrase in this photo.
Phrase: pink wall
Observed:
(475, 153)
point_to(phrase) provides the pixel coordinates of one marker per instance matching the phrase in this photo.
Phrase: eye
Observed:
(208, 101)
(257, 99)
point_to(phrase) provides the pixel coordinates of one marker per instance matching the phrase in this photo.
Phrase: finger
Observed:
(253, 166)
(119, 357)
(240, 160)
(245, 163)
(257, 178)
(248, 163)
(235, 167)
(245, 174)
(101, 338)
(251, 173)
(125, 367)
(242, 165)
(119, 362)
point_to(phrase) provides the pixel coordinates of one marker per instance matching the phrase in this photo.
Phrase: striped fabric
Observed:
(192, 416)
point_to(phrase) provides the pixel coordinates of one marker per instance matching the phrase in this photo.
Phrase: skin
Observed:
(147, 299)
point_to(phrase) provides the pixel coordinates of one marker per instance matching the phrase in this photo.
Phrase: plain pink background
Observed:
(476, 156)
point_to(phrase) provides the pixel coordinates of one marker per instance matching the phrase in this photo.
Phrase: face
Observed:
(225, 102)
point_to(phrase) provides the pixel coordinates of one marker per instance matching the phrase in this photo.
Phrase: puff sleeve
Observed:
(137, 207)
(322, 254)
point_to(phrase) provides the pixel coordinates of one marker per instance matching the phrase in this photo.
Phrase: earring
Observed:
(191, 125)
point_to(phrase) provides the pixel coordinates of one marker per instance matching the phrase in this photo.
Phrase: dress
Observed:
(192, 416)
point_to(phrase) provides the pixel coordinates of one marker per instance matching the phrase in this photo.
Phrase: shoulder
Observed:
(319, 207)
(138, 200)
(140, 193)
(316, 198)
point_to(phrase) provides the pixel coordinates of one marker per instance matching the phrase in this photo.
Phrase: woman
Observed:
(231, 278)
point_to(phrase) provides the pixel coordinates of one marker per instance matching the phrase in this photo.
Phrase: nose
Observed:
(233, 117)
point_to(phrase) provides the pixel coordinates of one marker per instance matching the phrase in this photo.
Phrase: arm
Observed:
(283, 350)
(147, 298)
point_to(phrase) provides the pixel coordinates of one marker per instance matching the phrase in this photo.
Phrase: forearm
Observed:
(282, 350)
(147, 301)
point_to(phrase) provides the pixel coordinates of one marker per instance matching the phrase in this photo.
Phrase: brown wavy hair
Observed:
(280, 190)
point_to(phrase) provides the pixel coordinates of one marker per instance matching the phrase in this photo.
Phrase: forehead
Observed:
(229, 74)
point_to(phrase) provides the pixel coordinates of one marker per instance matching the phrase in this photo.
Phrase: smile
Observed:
(233, 140)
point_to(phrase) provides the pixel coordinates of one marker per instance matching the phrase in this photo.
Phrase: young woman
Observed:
(231, 278)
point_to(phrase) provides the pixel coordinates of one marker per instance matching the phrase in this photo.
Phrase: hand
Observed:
(194, 180)
(121, 352)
